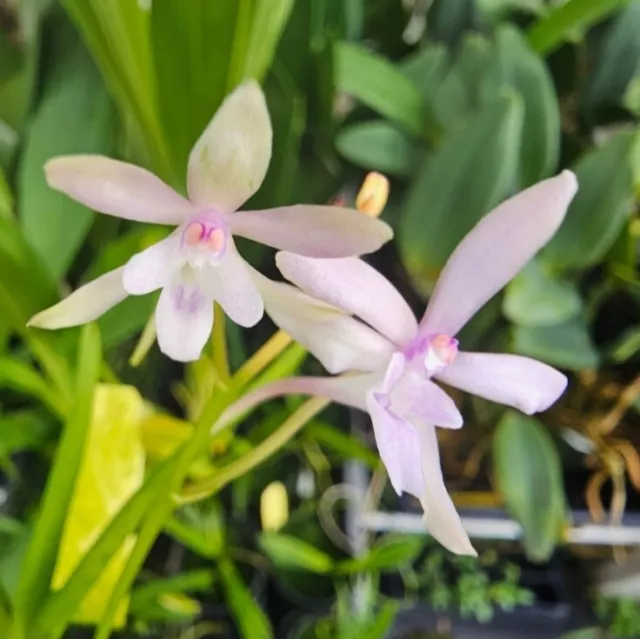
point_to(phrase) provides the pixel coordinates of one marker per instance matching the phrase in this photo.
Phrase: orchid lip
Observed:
(433, 352)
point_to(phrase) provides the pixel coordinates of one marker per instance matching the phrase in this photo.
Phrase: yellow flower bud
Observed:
(373, 194)
(274, 506)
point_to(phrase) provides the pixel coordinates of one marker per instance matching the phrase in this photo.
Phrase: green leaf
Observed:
(627, 345)
(618, 60)
(251, 621)
(269, 20)
(379, 85)
(528, 472)
(289, 553)
(568, 20)
(523, 70)
(6, 197)
(377, 145)
(334, 439)
(390, 553)
(463, 179)
(22, 430)
(537, 298)
(566, 346)
(40, 560)
(117, 34)
(600, 209)
(203, 50)
(585, 633)
(497, 9)
(74, 116)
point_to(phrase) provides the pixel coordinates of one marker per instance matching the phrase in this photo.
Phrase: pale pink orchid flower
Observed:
(198, 263)
(355, 322)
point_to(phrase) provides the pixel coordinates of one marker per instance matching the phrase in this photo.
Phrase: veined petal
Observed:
(340, 342)
(152, 268)
(349, 390)
(440, 515)
(353, 286)
(314, 231)
(228, 163)
(117, 188)
(495, 250)
(398, 445)
(525, 384)
(184, 319)
(85, 304)
(230, 283)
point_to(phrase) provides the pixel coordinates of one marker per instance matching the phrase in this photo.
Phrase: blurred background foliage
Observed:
(462, 103)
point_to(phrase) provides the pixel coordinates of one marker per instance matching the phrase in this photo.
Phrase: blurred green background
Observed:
(461, 103)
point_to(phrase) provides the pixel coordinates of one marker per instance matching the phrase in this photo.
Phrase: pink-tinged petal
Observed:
(416, 397)
(184, 319)
(314, 231)
(231, 285)
(495, 250)
(154, 267)
(440, 515)
(117, 188)
(340, 342)
(228, 163)
(85, 304)
(525, 384)
(398, 445)
(349, 390)
(355, 287)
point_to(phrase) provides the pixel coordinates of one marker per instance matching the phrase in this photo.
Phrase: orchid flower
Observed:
(198, 263)
(392, 360)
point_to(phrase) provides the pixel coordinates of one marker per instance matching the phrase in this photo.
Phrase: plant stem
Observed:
(286, 431)
(261, 358)
(219, 340)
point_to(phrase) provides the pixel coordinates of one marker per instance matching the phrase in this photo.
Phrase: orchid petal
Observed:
(231, 285)
(85, 304)
(495, 250)
(152, 268)
(353, 286)
(340, 342)
(184, 319)
(416, 397)
(398, 445)
(349, 390)
(117, 188)
(228, 163)
(314, 231)
(525, 384)
(440, 515)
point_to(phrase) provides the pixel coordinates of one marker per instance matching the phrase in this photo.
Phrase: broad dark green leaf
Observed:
(377, 145)
(463, 179)
(568, 20)
(381, 86)
(40, 560)
(528, 473)
(566, 346)
(22, 378)
(537, 298)
(498, 9)
(289, 553)
(600, 209)
(22, 430)
(74, 116)
(617, 61)
(521, 68)
(251, 621)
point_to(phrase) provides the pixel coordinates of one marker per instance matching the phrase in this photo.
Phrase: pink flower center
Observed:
(433, 352)
(205, 240)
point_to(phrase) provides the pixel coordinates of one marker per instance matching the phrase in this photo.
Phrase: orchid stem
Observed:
(220, 358)
(287, 430)
(261, 358)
